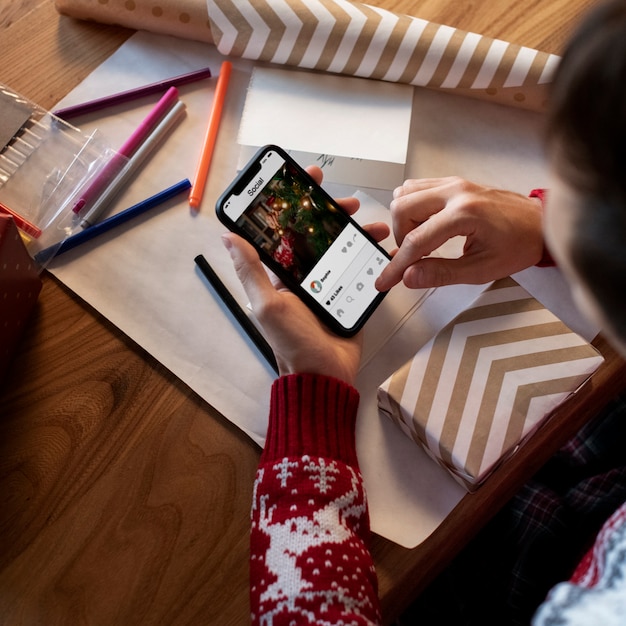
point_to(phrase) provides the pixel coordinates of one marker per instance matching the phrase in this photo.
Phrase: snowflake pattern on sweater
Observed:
(309, 559)
(597, 592)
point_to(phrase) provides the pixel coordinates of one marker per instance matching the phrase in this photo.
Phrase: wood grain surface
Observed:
(124, 498)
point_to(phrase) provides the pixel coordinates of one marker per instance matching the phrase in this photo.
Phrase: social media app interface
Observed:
(316, 243)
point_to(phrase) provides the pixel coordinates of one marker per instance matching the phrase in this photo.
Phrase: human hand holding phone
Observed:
(305, 237)
(301, 342)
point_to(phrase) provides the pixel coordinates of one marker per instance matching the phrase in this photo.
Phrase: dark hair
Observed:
(587, 134)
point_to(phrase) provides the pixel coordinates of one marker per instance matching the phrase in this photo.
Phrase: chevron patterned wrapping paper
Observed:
(343, 37)
(487, 381)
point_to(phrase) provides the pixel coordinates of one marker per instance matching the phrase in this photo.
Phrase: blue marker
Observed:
(111, 222)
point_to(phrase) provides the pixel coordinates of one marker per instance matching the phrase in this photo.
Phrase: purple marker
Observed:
(132, 94)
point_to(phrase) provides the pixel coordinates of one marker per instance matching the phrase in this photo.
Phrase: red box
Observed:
(20, 285)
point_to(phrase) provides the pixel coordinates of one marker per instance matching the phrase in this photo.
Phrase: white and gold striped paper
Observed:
(343, 37)
(487, 381)
(347, 37)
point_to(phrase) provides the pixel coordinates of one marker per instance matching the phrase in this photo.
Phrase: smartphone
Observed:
(306, 239)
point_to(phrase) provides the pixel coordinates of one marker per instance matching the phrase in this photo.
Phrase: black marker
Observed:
(240, 315)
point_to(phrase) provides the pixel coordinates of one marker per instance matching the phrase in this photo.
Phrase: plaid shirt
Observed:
(557, 515)
(539, 537)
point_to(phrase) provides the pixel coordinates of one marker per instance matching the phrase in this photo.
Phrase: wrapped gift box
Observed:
(20, 285)
(487, 381)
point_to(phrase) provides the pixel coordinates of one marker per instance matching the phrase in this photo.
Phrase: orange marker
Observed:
(195, 196)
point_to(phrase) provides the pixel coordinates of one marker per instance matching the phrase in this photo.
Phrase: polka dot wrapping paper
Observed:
(182, 18)
(343, 37)
(20, 285)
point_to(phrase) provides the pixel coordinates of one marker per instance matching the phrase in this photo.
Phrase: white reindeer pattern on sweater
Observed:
(314, 553)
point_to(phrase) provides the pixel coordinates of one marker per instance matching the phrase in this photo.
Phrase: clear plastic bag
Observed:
(46, 166)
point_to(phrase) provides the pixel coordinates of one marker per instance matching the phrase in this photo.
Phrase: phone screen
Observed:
(313, 243)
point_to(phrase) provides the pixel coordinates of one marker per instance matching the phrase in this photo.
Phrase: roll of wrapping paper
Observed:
(344, 37)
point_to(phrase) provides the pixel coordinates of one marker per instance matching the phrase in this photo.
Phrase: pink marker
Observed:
(113, 167)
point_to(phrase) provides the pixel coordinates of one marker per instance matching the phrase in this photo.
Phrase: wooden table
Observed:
(124, 496)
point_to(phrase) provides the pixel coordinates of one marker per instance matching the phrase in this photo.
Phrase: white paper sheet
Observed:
(142, 276)
(356, 129)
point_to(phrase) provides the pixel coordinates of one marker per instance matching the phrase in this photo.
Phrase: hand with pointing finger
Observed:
(503, 232)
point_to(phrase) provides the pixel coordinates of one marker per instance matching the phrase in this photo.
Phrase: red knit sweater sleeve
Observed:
(309, 560)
